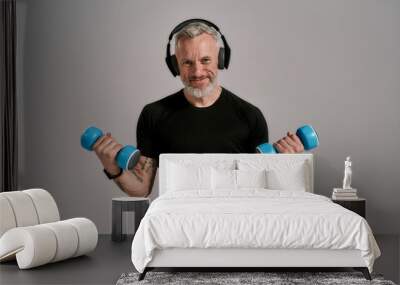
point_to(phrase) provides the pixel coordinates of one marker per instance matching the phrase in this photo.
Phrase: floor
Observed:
(111, 259)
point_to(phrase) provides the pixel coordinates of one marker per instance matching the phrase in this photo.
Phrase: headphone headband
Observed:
(187, 22)
(223, 55)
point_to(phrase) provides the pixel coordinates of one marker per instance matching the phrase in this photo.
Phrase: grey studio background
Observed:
(333, 64)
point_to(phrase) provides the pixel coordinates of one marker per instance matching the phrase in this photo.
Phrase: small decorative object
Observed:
(347, 174)
(346, 192)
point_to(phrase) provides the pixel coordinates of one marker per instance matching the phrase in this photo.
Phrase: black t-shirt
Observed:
(173, 125)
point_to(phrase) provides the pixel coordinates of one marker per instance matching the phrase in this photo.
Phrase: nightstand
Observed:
(357, 205)
(126, 204)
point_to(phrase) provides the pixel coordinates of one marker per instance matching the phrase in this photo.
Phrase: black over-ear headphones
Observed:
(224, 53)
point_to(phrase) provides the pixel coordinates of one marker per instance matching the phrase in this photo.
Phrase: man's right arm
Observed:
(139, 181)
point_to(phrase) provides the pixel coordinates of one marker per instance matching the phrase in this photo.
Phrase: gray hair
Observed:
(196, 29)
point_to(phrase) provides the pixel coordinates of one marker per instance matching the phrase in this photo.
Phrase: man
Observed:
(204, 117)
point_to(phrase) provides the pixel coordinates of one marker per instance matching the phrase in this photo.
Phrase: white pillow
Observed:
(188, 177)
(287, 179)
(282, 173)
(251, 178)
(223, 179)
(236, 179)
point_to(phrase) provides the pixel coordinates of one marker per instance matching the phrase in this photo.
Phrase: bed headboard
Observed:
(210, 159)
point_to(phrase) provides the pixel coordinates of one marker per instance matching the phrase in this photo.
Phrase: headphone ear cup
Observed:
(169, 64)
(174, 63)
(221, 58)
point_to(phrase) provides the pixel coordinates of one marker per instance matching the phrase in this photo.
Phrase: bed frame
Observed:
(249, 258)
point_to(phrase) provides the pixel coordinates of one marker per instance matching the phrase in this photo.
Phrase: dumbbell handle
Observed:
(308, 137)
(126, 158)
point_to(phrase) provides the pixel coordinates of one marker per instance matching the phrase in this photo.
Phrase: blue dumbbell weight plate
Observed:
(266, 148)
(128, 157)
(308, 137)
(89, 137)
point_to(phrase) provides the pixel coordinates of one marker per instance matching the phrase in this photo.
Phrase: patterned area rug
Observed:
(230, 278)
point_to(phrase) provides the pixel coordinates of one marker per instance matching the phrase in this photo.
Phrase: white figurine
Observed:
(347, 174)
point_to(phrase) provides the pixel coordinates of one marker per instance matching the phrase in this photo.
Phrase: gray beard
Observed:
(199, 93)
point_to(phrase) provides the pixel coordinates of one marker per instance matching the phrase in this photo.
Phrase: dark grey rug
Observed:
(230, 278)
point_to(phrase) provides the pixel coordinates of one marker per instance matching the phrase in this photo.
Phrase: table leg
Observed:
(117, 222)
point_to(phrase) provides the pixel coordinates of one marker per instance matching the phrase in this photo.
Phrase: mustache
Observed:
(198, 77)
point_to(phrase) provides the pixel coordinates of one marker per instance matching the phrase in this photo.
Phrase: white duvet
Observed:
(251, 218)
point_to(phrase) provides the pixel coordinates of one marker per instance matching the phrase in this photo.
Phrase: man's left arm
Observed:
(289, 144)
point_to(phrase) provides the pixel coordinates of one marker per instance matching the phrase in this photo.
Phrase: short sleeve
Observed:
(145, 134)
(259, 130)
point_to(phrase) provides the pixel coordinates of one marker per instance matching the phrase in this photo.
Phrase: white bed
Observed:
(247, 210)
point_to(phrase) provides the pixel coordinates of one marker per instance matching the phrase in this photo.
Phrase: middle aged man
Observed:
(203, 117)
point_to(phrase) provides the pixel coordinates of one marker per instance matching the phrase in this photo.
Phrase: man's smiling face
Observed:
(198, 62)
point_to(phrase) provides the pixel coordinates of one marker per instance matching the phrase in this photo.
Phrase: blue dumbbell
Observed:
(127, 157)
(308, 137)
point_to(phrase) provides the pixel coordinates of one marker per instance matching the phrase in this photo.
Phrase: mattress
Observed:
(250, 218)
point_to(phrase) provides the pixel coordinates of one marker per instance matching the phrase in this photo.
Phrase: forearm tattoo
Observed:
(148, 165)
(143, 167)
